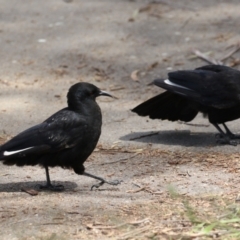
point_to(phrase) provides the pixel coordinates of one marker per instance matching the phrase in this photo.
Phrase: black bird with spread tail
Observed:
(213, 90)
(65, 139)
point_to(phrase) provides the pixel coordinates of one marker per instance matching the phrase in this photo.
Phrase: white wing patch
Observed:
(168, 82)
(6, 153)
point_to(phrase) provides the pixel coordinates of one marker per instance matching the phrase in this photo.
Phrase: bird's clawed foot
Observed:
(50, 187)
(225, 139)
(234, 136)
(114, 183)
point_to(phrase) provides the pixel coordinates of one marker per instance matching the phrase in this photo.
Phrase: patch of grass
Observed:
(211, 217)
(54, 236)
(215, 225)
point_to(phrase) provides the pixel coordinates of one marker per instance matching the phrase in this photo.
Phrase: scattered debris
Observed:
(116, 88)
(205, 57)
(30, 191)
(143, 136)
(208, 59)
(152, 66)
(122, 159)
(100, 74)
(134, 75)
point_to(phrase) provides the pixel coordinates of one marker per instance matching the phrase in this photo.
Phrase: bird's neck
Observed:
(86, 107)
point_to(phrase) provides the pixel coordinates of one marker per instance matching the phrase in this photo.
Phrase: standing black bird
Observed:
(213, 90)
(65, 139)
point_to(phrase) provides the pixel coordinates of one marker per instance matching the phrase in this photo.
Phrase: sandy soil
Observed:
(120, 46)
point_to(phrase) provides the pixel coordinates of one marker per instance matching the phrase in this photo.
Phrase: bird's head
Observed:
(83, 91)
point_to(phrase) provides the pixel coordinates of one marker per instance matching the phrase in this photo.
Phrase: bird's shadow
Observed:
(183, 138)
(19, 186)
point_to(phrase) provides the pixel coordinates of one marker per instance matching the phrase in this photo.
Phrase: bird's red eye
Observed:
(93, 93)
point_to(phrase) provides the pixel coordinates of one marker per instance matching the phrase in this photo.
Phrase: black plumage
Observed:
(213, 90)
(65, 139)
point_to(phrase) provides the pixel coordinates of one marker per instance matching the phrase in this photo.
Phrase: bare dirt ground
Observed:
(177, 183)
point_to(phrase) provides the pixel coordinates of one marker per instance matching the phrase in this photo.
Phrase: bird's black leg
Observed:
(49, 185)
(116, 182)
(229, 133)
(222, 133)
(224, 137)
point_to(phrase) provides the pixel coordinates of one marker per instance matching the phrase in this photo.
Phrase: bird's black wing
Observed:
(212, 85)
(169, 106)
(215, 68)
(62, 130)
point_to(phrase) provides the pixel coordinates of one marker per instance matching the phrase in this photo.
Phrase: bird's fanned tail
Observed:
(167, 106)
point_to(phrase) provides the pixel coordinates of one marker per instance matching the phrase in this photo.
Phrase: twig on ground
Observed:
(174, 4)
(136, 185)
(99, 226)
(231, 53)
(139, 221)
(185, 23)
(116, 88)
(121, 159)
(91, 226)
(143, 136)
(133, 233)
(138, 190)
(52, 223)
(220, 61)
(146, 189)
(206, 58)
(23, 220)
(196, 235)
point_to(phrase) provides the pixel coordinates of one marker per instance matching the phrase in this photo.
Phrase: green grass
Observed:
(217, 218)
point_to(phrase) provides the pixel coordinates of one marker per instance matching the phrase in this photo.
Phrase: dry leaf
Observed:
(134, 75)
(145, 8)
(152, 66)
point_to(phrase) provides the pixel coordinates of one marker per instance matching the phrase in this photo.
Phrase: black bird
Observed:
(213, 90)
(65, 139)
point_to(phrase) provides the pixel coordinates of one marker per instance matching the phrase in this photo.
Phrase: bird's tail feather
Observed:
(21, 157)
(168, 106)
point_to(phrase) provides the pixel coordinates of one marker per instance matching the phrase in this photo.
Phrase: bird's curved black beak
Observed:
(103, 93)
